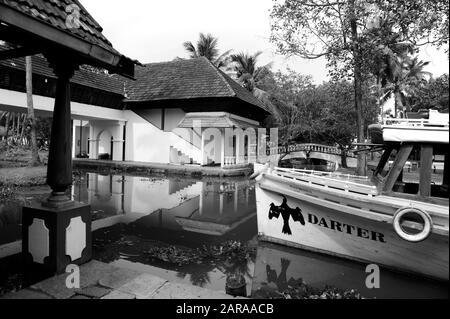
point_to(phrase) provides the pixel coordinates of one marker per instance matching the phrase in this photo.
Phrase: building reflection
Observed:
(211, 207)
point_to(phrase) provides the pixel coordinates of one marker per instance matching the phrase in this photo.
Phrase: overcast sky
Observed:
(153, 31)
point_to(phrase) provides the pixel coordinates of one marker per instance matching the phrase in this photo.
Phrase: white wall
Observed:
(146, 143)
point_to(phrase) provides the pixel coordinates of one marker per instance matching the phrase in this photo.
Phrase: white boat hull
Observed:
(334, 232)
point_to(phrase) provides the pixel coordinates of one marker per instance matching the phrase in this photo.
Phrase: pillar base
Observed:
(58, 201)
(54, 237)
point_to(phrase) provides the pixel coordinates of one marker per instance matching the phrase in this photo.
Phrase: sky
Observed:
(154, 31)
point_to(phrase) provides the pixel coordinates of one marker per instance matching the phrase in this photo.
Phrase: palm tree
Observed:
(207, 47)
(249, 75)
(35, 160)
(404, 76)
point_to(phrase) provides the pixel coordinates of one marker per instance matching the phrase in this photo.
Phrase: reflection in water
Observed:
(275, 264)
(134, 214)
(280, 280)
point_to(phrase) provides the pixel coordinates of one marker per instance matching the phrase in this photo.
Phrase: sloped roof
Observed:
(46, 23)
(54, 12)
(87, 78)
(215, 119)
(184, 79)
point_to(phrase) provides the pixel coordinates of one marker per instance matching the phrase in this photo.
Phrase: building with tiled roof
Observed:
(156, 115)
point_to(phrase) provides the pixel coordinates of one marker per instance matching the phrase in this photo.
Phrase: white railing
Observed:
(308, 147)
(411, 122)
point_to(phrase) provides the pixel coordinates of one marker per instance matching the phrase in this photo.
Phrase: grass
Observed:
(23, 176)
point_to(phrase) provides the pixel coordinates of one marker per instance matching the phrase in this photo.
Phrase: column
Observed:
(92, 141)
(74, 139)
(57, 232)
(239, 148)
(202, 150)
(118, 141)
(222, 148)
(59, 170)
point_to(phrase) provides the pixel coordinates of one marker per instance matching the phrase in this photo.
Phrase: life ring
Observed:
(427, 227)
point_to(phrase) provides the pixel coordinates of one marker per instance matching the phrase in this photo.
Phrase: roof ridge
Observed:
(216, 69)
(172, 61)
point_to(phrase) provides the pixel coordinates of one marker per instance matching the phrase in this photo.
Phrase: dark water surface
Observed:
(202, 231)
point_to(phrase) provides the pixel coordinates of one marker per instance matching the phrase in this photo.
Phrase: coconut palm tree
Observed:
(249, 75)
(404, 75)
(207, 47)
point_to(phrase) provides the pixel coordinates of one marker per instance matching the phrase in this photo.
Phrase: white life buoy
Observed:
(427, 227)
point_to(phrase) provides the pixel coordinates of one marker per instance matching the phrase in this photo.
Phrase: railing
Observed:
(412, 122)
(308, 148)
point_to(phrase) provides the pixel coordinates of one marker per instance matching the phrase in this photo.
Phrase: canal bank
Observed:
(131, 167)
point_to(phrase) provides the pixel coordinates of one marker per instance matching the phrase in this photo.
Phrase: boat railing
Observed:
(329, 180)
(413, 122)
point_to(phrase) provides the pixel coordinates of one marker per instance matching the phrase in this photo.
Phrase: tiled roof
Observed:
(54, 13)
(184, 79)
(104, 82)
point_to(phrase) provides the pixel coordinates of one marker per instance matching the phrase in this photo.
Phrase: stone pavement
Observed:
(103, 281)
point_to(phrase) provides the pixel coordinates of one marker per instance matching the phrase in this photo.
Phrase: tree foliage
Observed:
(431, 94)
(207, 46)
(357, 36)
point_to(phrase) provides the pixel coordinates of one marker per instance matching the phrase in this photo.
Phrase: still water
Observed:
(164, 226)
(133, 215)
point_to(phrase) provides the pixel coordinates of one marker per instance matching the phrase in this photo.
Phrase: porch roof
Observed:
(46, 26)
(216, 120)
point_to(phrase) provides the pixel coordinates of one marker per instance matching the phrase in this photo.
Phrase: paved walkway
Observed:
(103, 281)
(158, 168)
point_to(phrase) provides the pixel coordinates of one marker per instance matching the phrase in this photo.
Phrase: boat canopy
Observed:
(433, 129)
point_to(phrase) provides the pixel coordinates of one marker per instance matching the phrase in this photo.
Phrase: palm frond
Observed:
(190, 48)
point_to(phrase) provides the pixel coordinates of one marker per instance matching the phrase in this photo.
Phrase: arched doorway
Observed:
(104, 145)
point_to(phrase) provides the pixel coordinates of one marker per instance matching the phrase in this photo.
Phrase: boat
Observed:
(397, 218)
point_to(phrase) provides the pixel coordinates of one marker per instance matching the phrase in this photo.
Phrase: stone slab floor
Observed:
(102, 281)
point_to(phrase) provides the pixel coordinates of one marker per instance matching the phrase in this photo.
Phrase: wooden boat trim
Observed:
(440, 223)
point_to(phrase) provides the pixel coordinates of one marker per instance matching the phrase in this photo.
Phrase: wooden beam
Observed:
(383, 160)
(426, 163)
(17, 53)
(397, 168)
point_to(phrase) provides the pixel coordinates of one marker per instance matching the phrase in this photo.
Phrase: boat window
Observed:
(439, 172)
(424, 172)
(408, 179)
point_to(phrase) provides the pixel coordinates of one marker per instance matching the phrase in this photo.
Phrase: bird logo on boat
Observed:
(286, 212)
